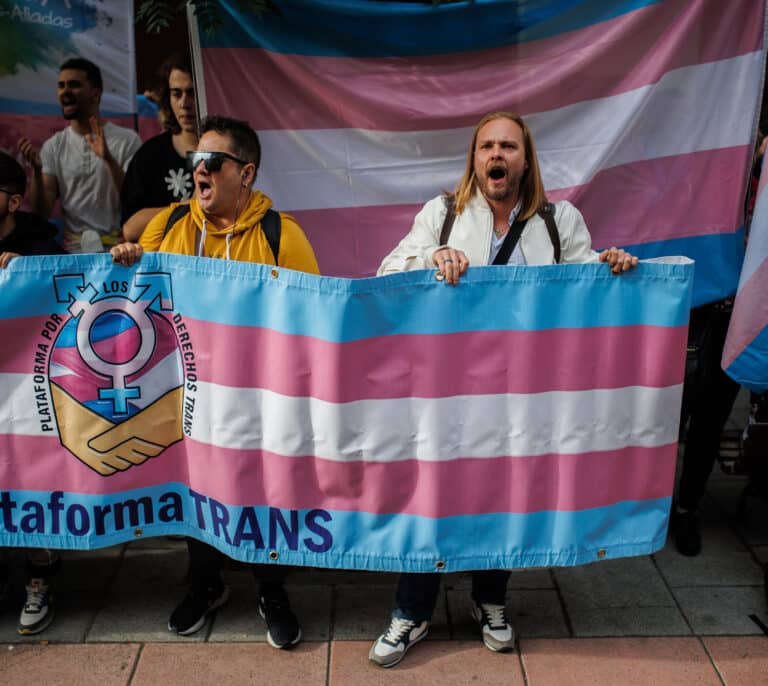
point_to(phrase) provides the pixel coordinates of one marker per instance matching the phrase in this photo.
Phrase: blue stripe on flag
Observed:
(718, 259)
(344, 27)
(321, 307)
(348, 540)
(48, 109)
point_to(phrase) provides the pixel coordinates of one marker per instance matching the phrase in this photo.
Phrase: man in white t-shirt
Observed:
(83, 165)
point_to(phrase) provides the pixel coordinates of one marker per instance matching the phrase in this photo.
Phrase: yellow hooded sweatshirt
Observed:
(243, 241)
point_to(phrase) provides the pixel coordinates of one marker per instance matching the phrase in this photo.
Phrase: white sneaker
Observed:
(498, 634)
(37, 612)
(389, 648)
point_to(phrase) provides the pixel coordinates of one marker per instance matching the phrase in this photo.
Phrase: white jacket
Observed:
(472, 231)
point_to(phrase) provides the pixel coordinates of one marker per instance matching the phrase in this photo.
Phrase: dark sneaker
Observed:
(687, 532)
(191, 613)
(283, 630)
(498, 634)
(38, 610)
(391, 646)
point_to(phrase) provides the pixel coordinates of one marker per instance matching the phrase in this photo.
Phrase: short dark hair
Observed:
(180, 62)
(245, 141)
(91, 70)
(12, 176)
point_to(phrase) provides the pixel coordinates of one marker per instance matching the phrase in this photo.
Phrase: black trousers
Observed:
(417, 593)
(205, 563)
(708, 397)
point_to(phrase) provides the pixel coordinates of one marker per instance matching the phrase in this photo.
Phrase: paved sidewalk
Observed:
(662, 619)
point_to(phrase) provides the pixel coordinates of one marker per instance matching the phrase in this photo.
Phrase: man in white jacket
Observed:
(501, 186)
(498, 214)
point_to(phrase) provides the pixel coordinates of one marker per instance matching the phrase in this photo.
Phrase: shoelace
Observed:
(35, 596)
(496, 615)
(397, 629)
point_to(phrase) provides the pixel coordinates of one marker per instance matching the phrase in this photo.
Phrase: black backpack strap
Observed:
(176, 214)
(547, 213)
(271, 225)
(450, 217)
(510, 241)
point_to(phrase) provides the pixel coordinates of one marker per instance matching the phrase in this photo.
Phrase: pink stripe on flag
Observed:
(643, 202)
(429, 489)
(418, 93)
(400, 366)
(663, 198)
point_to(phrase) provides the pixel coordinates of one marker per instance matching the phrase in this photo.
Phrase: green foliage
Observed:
(157, 15)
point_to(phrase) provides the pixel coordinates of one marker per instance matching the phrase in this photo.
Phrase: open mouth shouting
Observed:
(68, 104)
(497, 173)
(204, 190)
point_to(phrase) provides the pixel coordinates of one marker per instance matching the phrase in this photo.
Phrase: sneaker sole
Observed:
(39, 627)
(491, 646)
(223, 598)
(272, 642)
(387, 665)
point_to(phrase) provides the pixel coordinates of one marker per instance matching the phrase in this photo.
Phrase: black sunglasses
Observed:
(212, 160)
(9, 191)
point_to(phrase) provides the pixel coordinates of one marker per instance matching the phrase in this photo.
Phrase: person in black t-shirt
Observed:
(158, 174)
(21, 233)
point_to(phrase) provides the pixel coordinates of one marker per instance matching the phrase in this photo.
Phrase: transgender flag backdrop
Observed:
(643, 112)
(526, 417)
(745, 357)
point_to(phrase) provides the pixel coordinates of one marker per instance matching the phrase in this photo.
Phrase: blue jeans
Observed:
(417, 593)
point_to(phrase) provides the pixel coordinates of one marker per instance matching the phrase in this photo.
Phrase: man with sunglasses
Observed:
(22, 233)
(82, 165)
(225, 219)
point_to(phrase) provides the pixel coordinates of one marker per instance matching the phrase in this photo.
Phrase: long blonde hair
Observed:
(532, 193)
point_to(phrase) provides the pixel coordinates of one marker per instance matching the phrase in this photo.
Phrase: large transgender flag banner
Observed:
(745, 356)
(526, 417)
(644, 114)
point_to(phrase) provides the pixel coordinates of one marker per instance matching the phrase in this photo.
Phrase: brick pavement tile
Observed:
(723, 561)
(611, 661)
(723, 610)
(741, 660)
(448, 663)
(634, 621)
(64, 665)
(231, 664)
(631, 582)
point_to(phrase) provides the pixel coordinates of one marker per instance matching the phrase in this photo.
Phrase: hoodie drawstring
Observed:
(201, 247)
(203, 233)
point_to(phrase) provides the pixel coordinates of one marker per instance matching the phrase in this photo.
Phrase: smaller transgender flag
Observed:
(745, 357)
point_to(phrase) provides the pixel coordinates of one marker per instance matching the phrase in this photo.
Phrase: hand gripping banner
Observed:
(526, 417)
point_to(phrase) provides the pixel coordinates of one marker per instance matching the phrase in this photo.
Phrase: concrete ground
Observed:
(661, 619)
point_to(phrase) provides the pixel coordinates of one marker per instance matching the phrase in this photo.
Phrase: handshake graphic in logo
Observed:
(115, 371)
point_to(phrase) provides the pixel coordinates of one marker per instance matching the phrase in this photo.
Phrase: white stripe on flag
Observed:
(437, 429)
(320, 169)
(403, 428)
